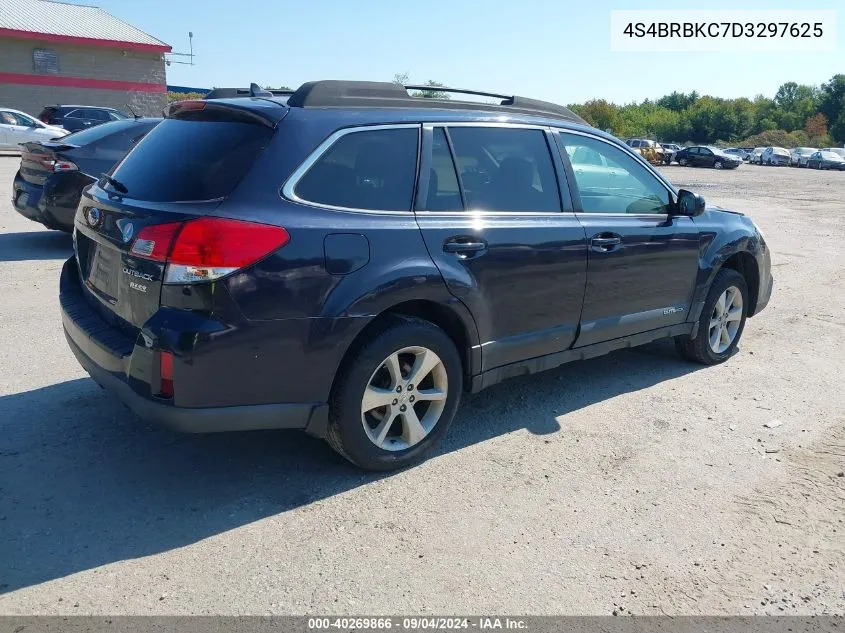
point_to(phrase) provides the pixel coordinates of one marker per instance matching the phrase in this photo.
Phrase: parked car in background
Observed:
(52, 174)
(652, 151)
(79, 117)
(740, 153)
(707, 156)
(257, 264)
(756, 155)
(672, 149)
(775, 156)
(798, 156)
(18, 127)
(826, 159)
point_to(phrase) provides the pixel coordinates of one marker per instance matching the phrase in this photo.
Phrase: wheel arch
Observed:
(744, 263)
(455, 322)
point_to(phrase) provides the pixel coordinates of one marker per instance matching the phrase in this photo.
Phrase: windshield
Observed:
(831, 156)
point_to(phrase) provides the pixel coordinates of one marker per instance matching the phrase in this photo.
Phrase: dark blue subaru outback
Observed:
(352, 258)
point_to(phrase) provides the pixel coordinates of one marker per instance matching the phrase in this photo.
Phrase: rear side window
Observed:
(369, 169)
(505, 169)
(182, 160)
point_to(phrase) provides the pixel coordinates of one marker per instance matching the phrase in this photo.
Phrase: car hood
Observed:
(716, 210)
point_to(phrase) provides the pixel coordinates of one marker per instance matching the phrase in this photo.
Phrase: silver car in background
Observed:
(775, 156)
(18, 127)
(798, 156)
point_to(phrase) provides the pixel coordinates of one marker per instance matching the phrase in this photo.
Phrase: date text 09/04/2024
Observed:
(416, 623)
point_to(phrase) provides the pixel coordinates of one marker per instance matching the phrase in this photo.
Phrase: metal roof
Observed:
(70, 21)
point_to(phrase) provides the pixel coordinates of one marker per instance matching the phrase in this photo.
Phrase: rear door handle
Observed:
(606, 242)
(464, 245)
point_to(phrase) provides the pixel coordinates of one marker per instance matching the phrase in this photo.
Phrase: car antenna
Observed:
(135, 114)
(257, 91)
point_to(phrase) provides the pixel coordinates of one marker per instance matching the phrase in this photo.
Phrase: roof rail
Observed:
(228, 93)
(383, 94)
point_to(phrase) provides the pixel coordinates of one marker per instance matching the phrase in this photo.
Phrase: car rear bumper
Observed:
(123, 367)
(41, 204)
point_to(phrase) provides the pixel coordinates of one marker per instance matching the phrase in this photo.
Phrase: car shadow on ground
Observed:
(84, 483)
(35, 246)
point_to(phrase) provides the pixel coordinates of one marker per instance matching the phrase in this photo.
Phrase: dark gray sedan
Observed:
(826, 160)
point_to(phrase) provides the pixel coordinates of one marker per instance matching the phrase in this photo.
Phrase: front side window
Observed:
(505, 169)
(368, 169)
(77, 114)
(621, 184)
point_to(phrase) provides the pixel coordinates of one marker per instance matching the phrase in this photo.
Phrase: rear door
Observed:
(643, 261)
(181, 170)
(502, 233)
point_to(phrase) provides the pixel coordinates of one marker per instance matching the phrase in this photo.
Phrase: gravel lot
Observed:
(635, 483)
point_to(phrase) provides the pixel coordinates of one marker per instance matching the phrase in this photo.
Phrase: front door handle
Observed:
(464, 245)
(606, 242)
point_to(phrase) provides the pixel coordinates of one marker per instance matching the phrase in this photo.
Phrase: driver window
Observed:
(611, 181)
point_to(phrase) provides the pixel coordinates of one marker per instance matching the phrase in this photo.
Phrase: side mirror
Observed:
(689, 203)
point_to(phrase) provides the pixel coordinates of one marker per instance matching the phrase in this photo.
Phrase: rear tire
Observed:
(721, 323)
(379, 418)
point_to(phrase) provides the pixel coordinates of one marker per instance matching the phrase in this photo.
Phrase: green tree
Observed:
(601, 114)
(832, 105)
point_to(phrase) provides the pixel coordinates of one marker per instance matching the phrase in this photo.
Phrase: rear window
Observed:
(94, 134)
(181, 160)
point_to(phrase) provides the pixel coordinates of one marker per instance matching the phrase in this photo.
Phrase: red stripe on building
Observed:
(80, 82)
(87, 41)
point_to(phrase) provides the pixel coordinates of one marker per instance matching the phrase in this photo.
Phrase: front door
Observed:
(505, 243)
(643, 261)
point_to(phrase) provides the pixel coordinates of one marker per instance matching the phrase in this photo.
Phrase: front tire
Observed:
(721, 323)
(717, 164)
(395, 398)
(683, 162)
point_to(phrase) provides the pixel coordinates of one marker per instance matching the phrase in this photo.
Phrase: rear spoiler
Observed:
(260, 111)
(53, 146)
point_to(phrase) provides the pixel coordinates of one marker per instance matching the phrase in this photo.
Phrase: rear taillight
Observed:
(207, 248)
(153, 242)
(48, 163)
(166, 374)
(64, 165)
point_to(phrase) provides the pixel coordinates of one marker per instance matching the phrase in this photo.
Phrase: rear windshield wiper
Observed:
(116, 184)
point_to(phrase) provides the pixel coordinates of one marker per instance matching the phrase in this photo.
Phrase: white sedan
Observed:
(18, 127)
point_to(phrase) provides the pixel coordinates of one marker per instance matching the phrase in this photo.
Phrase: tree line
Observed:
(797, 115)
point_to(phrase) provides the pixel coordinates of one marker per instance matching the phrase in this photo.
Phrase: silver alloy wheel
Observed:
(717, 164)
(404, 398)
(725, 320)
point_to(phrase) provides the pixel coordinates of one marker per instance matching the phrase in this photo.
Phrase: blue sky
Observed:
(556, 50)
